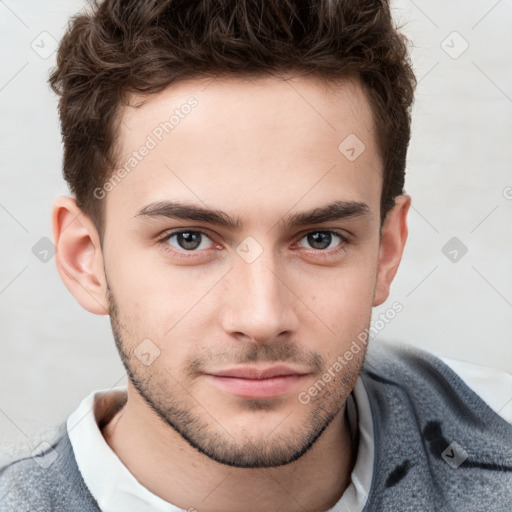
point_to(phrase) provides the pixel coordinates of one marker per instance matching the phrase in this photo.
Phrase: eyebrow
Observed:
(178, 210)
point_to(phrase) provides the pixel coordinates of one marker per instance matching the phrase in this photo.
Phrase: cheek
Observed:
(344, 305)
(165, 304)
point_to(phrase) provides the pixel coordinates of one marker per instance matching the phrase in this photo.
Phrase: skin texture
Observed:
(260, 151)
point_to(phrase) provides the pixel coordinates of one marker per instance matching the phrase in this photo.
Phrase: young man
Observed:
(237, 171)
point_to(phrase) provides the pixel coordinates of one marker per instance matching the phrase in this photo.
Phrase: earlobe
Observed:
(393, 238)
(78, 255)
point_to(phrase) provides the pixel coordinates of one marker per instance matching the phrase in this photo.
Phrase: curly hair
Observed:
(123, 47)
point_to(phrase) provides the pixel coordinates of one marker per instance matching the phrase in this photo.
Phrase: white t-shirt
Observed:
(116, 490)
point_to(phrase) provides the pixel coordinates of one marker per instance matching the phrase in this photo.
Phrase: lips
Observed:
(250, 382)
(257, 374)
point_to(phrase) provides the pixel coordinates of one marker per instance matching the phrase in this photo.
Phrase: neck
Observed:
(163, 462)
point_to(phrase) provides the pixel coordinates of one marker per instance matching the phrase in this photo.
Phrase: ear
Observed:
(392, 242)
(78, 255)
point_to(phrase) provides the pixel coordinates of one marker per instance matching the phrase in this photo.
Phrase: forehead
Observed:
(253, 103)
(241, 142)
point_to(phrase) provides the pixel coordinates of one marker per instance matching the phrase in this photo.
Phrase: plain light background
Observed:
(459, 175)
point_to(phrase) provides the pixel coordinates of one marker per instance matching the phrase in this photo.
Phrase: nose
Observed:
(258, 302)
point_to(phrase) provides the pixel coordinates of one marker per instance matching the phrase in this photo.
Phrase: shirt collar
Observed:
(116, 490)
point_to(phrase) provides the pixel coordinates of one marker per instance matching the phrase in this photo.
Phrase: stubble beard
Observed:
(178, 409)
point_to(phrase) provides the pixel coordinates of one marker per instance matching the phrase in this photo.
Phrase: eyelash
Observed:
(344, 240)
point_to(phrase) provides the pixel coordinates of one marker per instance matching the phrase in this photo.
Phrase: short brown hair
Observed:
(121, 47)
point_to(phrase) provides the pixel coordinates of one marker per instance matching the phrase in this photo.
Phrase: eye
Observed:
(188, 241)
(322, 240)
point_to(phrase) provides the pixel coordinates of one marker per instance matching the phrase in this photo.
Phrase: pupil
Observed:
(190, 240)
(323, 239)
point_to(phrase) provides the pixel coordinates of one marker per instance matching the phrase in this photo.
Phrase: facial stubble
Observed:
(173, 404)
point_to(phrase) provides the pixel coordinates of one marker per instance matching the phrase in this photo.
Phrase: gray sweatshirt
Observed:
(438, 447)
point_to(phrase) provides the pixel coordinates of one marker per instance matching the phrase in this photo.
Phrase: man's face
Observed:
(198, 304)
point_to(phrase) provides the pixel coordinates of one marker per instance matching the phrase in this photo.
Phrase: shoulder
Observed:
(429, 380)
(45, 479)
(492, 385)
(450, 448)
